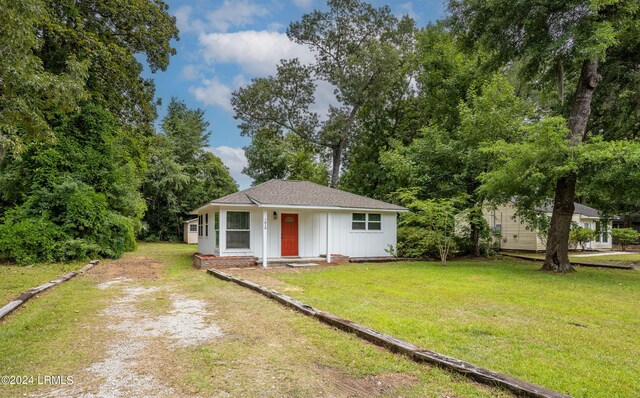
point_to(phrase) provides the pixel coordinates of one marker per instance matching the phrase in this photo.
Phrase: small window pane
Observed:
(375, 217)
(238, 239)
(216, 222)
(206, 224)
(193, 228)
(238, 220)
(359, 217)
(375, 226)
(359, 225)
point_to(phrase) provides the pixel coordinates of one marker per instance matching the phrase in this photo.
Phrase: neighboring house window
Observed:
(216, 226)
(497, 229)
(206, 225)
(602, 234)
(364, 221)
(193, 228)
(238, 231)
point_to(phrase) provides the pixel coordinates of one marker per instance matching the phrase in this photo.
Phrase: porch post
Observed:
(265, 222)
(328, 237)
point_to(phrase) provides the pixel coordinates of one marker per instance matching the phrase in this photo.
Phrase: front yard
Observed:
(151, 325)
(575, 333)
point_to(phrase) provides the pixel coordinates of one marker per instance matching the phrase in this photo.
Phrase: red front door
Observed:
(289, 234)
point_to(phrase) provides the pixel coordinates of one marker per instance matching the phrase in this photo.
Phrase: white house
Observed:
(287, 219)
(516, 236)
(190, 231)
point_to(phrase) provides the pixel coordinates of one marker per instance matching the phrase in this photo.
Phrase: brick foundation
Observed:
(204, 261)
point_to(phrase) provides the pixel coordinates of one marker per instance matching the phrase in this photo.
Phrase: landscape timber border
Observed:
(24, 297)
(481, 375)
(578, 263)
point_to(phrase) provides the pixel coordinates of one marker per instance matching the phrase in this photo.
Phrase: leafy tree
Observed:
(429, 227)
(625, 236)
(75, 198)
(552, 43)
(285, 157)
(357, 51)
(181, 173)
(448, 162)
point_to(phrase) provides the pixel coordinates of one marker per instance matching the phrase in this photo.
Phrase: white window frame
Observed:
(200, 224)
(192, 229)
(238, 230)
(367, 222)
(206, 225)
(216, 228)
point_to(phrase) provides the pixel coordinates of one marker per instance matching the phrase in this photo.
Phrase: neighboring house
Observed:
(515, 235)
(190, 231)
(284, 218)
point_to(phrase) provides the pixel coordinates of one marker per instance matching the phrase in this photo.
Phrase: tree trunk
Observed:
(337, 163)
(475, 239)
(557, 253)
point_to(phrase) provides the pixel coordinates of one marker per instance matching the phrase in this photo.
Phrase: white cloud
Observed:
(256, 52)
(407, 9)
(235, 160)
(303, 4)
(185, 23)
(213, 92)
(235, 13)
(191, 72)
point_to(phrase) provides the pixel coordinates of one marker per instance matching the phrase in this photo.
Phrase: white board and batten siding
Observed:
(312, 233)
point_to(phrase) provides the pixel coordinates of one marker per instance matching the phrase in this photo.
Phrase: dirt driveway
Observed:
(166, 329)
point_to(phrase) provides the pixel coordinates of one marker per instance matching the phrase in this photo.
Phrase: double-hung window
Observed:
(216, 226)
(238, 231)
(366, 222)
(193, 228)
(206, 225)
(200, 225)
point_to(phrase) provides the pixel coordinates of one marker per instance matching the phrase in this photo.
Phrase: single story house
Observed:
(514, 234)
(295, 219)
(190, 231)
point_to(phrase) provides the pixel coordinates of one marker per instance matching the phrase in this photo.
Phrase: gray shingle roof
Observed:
(580, 209)
(303, 193)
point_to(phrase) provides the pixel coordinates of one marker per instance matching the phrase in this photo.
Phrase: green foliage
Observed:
(181, 174)
(357, 50)
(625, 236)
(428, 230)
(581, 236)
(81, 191)
(285, 157)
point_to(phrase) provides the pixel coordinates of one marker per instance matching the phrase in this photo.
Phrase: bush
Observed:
(625, 236)
(417, 242)
(581, 236)
(31, 240)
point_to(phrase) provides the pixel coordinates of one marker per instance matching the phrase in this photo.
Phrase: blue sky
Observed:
(225, 43)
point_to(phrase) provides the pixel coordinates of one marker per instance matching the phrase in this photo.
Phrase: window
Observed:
(375, 222)
(238, 232)
(206, 225)
(199, 225)
(216, 226)
(602, 234)
(359, 221)
(193, 227)
(364, 221)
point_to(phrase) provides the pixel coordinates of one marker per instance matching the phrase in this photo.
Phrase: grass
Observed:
(267, 350)
(575, 333)
(16, 279)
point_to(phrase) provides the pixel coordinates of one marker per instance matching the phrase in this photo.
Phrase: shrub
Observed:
(31, 240)
(417, 242)
(581, 236)
(625, 236)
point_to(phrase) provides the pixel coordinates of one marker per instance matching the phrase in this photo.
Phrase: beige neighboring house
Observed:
(515, 235)
(190, 232)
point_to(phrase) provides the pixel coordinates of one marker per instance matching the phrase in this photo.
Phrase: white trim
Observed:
(265, 222)
(328, 237)
(303, 207)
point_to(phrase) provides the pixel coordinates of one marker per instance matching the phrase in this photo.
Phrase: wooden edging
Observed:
(21, 299)
(519, 387)
(592, 265)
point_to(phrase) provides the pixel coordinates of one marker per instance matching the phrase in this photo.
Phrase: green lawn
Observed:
(575, 333)
(267, 350)
(16, 279)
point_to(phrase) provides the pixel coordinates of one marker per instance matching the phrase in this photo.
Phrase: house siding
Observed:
(312, 236)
